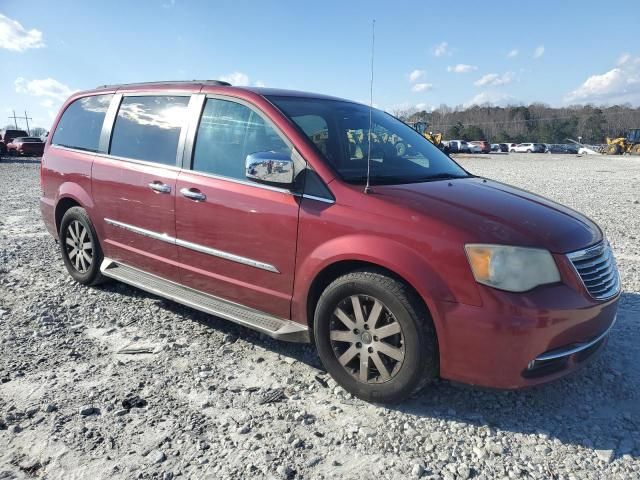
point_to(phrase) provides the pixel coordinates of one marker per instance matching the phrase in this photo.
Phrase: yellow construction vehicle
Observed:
(435, 138)
(629, 144)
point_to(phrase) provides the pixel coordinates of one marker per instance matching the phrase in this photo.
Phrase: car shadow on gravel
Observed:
(597, 407)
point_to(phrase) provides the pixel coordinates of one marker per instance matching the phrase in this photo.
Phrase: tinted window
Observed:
(228, 132)
(148, 128)
(81, 123)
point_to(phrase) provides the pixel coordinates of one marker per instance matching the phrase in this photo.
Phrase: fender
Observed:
(387, 253)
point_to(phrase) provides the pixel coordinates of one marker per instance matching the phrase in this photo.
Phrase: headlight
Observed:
(516, 269)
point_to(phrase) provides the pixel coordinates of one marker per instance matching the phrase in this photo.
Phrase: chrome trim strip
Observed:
(71, 149)
(163, 237)
(138, 162)
(555, 354)
(226, 255)
(319, 199)
(242, 182)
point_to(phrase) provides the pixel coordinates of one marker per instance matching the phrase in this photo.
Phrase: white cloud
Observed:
(538, 52)
(513, 53)
(624, 58)
(46, 87)
(441, 49)
(619, 85)
(415, 75)
(421, 87)
(13, 36)
(462, 68)
(492, 98)
(47, 103)
(260, 84)
(237, 79)
(494, 79)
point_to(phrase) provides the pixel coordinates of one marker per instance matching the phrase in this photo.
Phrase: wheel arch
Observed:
(396, 260)
(70, 195)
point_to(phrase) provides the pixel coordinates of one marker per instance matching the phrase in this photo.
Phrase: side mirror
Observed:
(270, 167)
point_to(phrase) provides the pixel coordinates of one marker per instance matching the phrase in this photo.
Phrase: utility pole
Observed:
(26, 118)
(15, 119)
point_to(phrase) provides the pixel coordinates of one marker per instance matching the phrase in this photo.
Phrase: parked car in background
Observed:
(400, 269)
(504, 147)
(26, 146)
(474, 148)
(483, 144)
(459, 146)
(561, 148)
(495, 147)
(528, 148)
(6, 136)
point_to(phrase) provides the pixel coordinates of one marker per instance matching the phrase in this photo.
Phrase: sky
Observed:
(426, 53)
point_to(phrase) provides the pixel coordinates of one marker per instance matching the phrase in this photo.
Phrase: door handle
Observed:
(160, 187)
(193, 194)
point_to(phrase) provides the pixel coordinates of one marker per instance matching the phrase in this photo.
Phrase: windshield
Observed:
(340, 131)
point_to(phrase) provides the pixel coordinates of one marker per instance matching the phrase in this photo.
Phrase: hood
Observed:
(492, 212)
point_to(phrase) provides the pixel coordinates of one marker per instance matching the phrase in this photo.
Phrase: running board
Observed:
(275, 327)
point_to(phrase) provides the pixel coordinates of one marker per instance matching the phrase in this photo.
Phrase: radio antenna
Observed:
(367, 188)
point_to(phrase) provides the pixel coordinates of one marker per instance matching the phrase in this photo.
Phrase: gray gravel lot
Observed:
(209, 399)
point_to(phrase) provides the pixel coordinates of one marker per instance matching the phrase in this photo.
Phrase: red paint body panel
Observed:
(121, 192)
(418, 231)
(241, 219)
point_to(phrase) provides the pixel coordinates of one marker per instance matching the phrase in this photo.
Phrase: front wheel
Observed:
(375, 337)
(80, 248)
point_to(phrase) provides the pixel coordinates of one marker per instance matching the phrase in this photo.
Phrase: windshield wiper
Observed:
(390, 179)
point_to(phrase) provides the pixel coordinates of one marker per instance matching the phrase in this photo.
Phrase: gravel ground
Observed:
(111, 382)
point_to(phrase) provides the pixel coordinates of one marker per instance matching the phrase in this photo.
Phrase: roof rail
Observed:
(163, 82)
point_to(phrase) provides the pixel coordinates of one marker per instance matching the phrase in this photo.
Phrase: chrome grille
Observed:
(597, 269)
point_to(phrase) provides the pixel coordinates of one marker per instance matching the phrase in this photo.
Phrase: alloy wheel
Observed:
(367, 339)
(79, 246)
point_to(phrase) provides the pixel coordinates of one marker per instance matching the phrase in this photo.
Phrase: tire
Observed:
(529, 151)
(408, 351)
(84, 269)
(614, 149)
(512, 151)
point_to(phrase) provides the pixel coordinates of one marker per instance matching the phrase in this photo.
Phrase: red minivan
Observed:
(311, 218)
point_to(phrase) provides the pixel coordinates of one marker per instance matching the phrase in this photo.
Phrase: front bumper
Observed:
(519, 340)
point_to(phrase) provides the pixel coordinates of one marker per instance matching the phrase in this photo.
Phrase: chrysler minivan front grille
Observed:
(597, 269)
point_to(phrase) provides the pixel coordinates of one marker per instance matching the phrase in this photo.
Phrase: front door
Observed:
(236, 238)
(134, 186)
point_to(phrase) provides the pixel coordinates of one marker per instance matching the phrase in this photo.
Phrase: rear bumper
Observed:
(517, 341)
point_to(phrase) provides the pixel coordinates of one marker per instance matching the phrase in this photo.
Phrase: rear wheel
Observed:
(80, 248)
(375, 337)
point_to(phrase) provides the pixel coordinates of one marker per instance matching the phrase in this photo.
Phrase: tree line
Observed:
(534, 123)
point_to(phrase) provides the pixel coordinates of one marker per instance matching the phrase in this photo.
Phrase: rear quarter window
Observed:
(81, 123)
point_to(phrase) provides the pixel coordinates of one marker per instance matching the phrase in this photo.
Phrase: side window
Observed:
(81, 123)
(148, 128)
(227, 133)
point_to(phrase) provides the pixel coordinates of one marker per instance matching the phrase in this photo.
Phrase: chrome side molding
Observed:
(163, 237)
